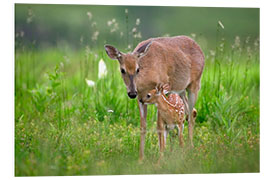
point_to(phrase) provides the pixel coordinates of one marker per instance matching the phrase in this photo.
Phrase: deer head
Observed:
(153, 95)
(129, 65)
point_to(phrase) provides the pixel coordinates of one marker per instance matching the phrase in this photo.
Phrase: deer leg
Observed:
(161, 135)
(192, 97)
(180, 134)
(143, 114)
(183, 96)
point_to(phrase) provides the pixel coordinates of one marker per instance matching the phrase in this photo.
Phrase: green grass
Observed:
(63, 127)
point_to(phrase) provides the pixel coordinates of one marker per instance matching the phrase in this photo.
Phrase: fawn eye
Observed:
(138, 70)
(148, 96)
(123, 71)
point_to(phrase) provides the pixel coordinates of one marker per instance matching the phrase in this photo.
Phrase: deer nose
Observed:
(132, 95)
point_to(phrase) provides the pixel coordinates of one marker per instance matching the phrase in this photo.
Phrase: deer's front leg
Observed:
(143, 115)
(161, 135)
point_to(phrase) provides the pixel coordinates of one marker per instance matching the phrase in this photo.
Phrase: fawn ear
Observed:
(159, 88)
(112, 52)
(166, 88)
(142, 51)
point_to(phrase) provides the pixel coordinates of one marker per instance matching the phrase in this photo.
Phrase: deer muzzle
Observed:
(132, 93)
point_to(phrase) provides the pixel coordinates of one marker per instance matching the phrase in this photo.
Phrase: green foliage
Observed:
(64, 126)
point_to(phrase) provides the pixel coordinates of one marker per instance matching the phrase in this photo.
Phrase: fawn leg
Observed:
(161, 135)
(143, 114)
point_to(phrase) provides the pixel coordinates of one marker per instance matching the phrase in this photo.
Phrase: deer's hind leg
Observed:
(193, 90)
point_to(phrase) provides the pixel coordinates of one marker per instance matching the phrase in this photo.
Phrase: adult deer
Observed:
(177, 61)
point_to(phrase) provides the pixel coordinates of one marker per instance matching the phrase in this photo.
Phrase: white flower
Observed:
(95, 35)
(134, 30)
(138, 21)
(90, 83)
(89, 14)
(102, 70)
(109, 23)
(220, 24)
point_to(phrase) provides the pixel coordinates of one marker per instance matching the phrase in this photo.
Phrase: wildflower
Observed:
(139, 35)
(90, 83)
(237, 41)
(220, 24)
(102, 69)
(81, 39)
(134, 30)
(193, 35)
(87, 52)
(256, 42)
(138, 21)
(247, 40)
(166, 35)
(21, 33)
(212, 53)
(94, 24)
(95, 35)
(121, 34)
(113, 24)
(61, 64)
(249, 51)
(89, 14)
(129, 46)
(110, 111)
(30, 16)
(109, 23)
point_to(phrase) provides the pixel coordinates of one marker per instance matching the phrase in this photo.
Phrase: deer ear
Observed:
(142, 51)
(166, 88)
(112, 52)
(159, 88)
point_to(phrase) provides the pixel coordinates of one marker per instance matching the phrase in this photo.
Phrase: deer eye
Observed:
(123, 71)
(138, 70)
(148, 96)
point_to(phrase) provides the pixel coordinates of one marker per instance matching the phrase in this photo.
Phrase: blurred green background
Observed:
(72, 25)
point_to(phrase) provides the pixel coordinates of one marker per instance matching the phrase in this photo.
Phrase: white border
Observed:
(7, 81)
(201, 3)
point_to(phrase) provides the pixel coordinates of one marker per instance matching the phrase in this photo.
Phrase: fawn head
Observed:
(153, 95)
(129, 65)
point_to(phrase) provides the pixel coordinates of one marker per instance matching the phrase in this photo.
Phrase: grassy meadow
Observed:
(72, 120)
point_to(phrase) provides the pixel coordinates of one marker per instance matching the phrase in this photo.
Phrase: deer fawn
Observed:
(171, 113)
(177, 61)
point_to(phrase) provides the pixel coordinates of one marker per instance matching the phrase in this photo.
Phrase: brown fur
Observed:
(177, 61)
(171, 112)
